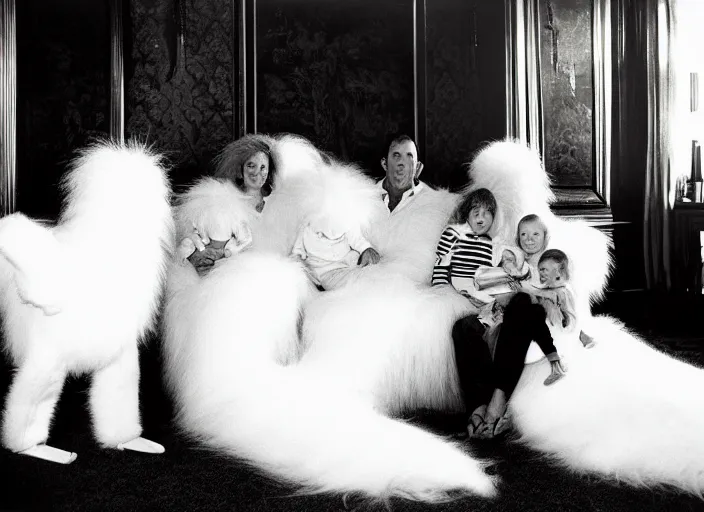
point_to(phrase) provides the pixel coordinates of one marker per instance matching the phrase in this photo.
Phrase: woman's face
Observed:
(255, 172)
(531, 236)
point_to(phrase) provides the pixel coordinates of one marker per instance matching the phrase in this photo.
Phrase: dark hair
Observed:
(558, 257)
(229, 164)
(394, 140)
(475, 199)
(532, 217)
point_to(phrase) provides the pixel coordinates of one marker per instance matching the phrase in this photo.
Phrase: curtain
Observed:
(8, 106)
(658, 23)
(523, 95)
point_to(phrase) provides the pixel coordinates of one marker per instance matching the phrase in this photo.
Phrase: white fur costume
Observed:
(311, 405)
(79, 296)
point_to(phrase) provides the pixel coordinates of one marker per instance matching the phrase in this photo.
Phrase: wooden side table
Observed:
(687, 222)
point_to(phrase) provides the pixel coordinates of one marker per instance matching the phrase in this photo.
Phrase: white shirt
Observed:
(406, 198)
(324, 252)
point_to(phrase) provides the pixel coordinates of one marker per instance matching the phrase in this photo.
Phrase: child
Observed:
(553, 269)
(329, 252)
(554, 275)
(463, 248)
(532, 237)
(466, 246)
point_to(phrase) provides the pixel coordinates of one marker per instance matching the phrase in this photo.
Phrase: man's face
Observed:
(480, 220)
(400, 165)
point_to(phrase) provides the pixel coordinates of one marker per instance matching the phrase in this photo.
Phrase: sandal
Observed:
(495, 429)
(477, 425)
(502, 425)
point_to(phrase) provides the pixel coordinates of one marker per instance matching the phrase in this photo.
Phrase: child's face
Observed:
(531, 236)
(480, 220)
(550, 273)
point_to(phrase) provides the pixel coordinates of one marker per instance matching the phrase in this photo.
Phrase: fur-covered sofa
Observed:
(267, 368)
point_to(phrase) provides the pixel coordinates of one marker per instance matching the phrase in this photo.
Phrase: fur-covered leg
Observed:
(114, 400)
(31, 403)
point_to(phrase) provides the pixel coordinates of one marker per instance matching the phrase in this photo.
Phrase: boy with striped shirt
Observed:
(462, 249)
(466, 246)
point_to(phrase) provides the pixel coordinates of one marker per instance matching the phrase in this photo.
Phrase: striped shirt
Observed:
(458, 255)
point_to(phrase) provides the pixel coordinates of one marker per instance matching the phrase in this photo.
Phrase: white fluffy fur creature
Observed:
(304, 384)
(78, 297)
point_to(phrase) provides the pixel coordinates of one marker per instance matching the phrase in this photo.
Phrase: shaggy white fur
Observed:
(79, 296)
(622, 411)
(299, 407)
(310, 403)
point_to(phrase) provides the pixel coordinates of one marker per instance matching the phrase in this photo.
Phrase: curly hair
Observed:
(393, 140)
(475, 199)
(229, 164)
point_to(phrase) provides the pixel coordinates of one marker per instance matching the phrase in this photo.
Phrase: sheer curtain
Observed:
(658, 24)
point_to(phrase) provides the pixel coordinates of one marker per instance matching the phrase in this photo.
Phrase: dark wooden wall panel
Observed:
(465, 85)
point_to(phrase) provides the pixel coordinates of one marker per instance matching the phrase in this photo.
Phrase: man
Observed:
(402, 170)
(401, 185)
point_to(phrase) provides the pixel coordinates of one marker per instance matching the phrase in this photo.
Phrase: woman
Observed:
(487, 375)
(247, 163)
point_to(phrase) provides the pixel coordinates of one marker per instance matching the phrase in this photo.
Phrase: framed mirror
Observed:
(559, 95)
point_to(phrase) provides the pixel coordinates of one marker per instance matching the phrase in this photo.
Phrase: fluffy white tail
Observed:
(237, 393)
(624, 410)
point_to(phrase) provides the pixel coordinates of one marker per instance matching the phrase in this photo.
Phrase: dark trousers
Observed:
(478, 374)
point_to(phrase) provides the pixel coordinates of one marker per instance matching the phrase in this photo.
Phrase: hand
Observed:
(204, 260)
(368, 257)
(198, 241)
(557, 371)
(548, 294)
(514, 285)
(239, 241)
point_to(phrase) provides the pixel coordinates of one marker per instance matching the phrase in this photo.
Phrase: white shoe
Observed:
(42, 451)
(139, 444)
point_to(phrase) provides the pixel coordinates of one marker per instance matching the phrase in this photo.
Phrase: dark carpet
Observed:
(188, 477)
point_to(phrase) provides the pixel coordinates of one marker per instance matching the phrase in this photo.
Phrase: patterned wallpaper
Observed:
(180, 85)
(465, 85)
(179, 94)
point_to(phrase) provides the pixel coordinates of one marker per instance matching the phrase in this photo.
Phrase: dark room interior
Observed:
(198, 74)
